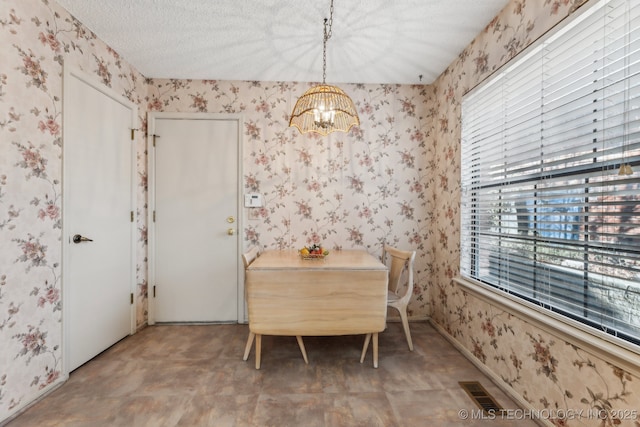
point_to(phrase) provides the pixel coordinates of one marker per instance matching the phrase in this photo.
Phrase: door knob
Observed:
(78, 238)
(231, 231)
(231, 220)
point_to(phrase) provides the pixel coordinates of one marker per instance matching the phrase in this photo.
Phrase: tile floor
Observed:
(179, 375)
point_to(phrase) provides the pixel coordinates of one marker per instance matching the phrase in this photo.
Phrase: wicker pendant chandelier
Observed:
(324, 108)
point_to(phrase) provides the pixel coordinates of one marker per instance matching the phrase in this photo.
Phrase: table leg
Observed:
(375, 350)
(302, 349)
(365, 347)
(247, 348)
(258, 350)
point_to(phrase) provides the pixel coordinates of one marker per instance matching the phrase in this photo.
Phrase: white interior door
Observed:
(98, 263)
(195, 239)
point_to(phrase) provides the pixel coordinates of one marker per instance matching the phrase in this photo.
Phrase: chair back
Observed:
(250, 255)
(400, 265)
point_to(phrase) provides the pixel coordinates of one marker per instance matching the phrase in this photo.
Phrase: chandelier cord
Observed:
(327, 36)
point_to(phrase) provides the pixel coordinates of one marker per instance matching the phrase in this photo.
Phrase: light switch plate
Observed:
(253, 200)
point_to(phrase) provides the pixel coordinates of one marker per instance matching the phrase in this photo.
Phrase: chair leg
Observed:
(247, 348)
(258, 350)
(375, 350)
(302, 349)
(405, 326)
(365, 347)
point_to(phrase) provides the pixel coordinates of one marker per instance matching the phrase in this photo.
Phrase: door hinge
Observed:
(131, 216)
(154, 216)
(131, 297)
(154, 139)
(154, 291)
(133, 131)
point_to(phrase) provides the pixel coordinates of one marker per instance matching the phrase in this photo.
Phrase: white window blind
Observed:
(551, 172)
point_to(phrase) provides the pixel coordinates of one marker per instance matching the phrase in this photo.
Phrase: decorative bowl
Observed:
(313, 252)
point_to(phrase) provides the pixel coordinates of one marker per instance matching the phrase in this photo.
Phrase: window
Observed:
(551, 172)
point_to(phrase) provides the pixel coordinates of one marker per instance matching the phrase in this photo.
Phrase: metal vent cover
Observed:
(480, 396)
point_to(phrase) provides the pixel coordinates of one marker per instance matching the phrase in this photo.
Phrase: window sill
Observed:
(616, 351)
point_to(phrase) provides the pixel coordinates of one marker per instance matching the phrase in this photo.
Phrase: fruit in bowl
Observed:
(313, 251)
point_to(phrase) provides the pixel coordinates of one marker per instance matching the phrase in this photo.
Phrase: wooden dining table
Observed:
(345, 293)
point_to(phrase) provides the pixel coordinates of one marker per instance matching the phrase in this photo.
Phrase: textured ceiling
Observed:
(374, 41)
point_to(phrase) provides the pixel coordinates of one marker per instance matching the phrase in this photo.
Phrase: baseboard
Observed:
(506, 389)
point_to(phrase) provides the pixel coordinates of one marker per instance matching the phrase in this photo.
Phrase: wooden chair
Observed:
(247, 258)
(400, 265)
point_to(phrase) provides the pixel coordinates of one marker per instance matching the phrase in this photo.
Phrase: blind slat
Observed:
(545, 213)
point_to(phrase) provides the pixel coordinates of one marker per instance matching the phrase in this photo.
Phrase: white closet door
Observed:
(98, 265)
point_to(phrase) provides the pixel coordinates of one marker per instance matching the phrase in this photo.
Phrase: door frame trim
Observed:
(70, 72)
(151, 203)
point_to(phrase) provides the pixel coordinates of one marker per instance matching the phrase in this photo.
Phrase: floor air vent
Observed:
(480, 396)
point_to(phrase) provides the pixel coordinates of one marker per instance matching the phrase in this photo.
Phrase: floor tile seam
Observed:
(397, 416)
(416, 389)
(327, 394)
(250, 416)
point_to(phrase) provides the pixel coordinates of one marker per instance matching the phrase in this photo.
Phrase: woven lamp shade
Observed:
(319, 98)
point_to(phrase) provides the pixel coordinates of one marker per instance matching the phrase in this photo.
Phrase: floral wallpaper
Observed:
(547, 372)
(36, 38)
(394, 179)
(355, 190)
